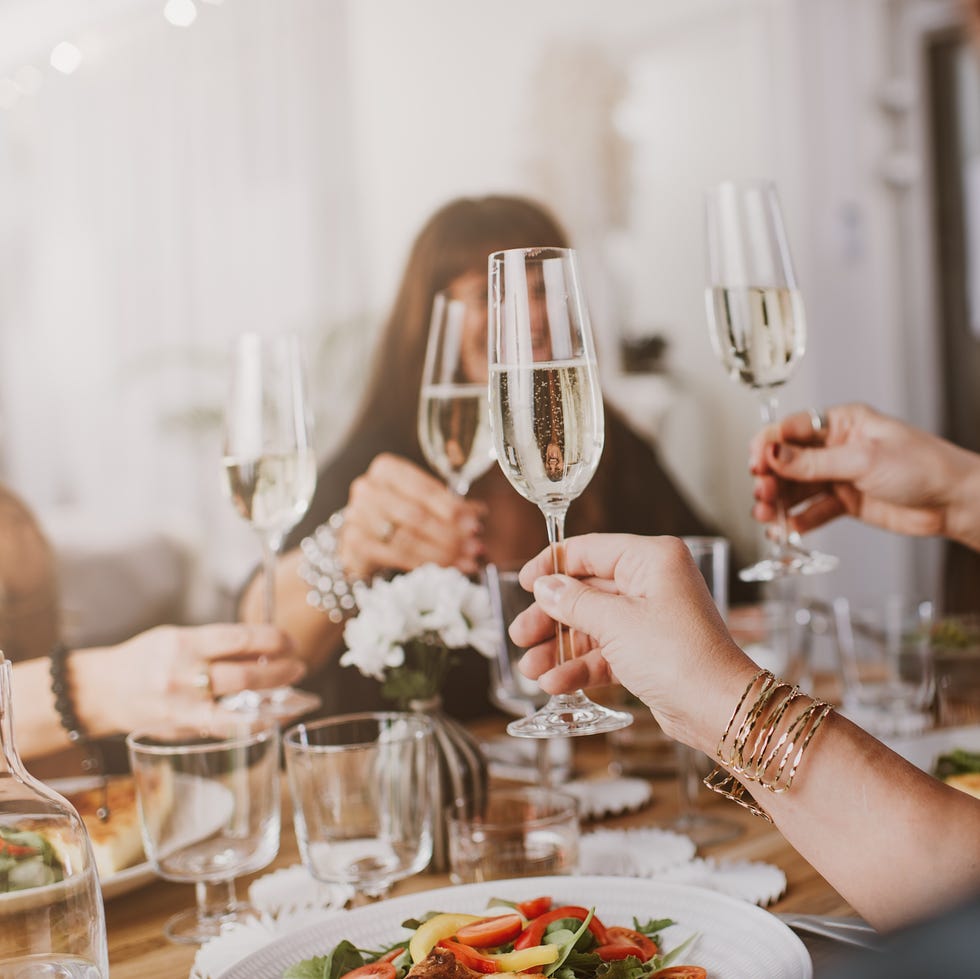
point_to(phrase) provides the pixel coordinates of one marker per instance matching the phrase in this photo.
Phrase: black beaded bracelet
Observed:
(64, 704)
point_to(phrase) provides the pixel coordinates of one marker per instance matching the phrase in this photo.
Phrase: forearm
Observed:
(37, 724)
(315, 637)
(897, 843)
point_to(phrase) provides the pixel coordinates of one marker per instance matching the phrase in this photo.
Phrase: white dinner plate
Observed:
(924, 749)
(734, 940)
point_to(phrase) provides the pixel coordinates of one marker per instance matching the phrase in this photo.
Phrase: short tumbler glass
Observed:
(363, 787)
(525, 832)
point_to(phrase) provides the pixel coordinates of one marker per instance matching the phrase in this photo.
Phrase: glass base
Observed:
(788, 560)
(191, 928)
(569, 716)
(705, 830)
(280, 702)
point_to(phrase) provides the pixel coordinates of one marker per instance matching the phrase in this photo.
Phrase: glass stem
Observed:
(778, 532)
(556, 538)
(215, 899)
(269, 554)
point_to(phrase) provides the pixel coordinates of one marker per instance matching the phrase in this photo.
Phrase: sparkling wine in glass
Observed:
(209, 812)
(757, 326)
(454, 420)
(547, 423)
(270, 471)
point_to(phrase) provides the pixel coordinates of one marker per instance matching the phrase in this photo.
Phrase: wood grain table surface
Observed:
(138, 949)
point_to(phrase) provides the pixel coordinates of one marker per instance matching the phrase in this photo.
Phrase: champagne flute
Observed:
(270, 472)
(758, 328)
(547, 422)
(454, 421)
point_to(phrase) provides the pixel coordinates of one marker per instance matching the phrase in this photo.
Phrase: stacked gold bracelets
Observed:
(765, 740)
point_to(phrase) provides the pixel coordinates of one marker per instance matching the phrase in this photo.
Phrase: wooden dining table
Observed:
(135, 920)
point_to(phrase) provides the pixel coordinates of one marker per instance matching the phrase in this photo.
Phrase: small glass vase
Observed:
(52, 920)
(462, 786)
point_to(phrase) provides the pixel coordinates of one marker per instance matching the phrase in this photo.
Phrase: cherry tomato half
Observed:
(491, 932)
(681, 972)
(612, 953)
(617, 935)
(373, 970)
(535, 907)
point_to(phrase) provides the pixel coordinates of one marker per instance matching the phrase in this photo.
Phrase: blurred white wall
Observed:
(269, 165)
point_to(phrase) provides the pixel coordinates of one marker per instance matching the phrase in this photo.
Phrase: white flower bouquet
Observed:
(408, 629)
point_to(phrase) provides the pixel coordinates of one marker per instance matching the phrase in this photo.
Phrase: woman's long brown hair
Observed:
(457, 239)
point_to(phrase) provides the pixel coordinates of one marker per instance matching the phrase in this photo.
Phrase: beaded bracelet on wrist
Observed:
(321, 568)
(64, 704)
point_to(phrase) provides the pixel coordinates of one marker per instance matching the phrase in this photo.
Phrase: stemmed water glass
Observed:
(547, 422)
(757, 326)
(209, 812)
(454, 421)
(362, 787)
(270, 472)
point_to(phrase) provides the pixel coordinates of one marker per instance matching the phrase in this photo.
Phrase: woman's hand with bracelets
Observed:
(646, 619)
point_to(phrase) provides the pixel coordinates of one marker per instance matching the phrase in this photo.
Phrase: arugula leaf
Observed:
(308, 969)
(653, 927)
(662, 961)
(629, 968)
(340, 961)
(565, 950)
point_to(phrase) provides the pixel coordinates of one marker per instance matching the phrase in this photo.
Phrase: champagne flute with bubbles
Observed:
(270, 472)
(454, 421)
(758, 328)
(547, 421)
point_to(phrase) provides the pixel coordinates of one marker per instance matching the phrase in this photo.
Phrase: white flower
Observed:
(439, 605)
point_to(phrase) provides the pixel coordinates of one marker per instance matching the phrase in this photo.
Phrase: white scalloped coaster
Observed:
(633, 852)
(608, 796)
(286, 899)
(669, 856)
(758, 883)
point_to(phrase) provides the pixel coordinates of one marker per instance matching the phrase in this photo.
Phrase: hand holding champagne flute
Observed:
(757, 326)
(547, 422)
(270, 470)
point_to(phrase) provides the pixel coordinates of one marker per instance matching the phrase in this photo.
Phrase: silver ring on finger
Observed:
(202, 683)
(386, 531)
(818, 421)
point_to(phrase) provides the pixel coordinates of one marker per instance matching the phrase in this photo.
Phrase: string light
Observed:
(180, 13)
(65, 57)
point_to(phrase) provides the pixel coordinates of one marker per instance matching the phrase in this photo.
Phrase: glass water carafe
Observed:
(52, 922)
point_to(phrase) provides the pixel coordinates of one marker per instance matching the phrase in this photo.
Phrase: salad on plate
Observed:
(534, 937)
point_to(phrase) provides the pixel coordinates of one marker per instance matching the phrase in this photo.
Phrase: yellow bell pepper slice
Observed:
(526, 958)
(433, 931)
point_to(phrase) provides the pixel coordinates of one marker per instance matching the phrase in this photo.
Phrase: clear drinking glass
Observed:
(547, 422)
(886, 660)
(758, 328)
(52, 921)
(510, 690)
(526, 832)
(362, 790)
(209, 812)
(270, 472)
(711, 556)
(454, 419)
